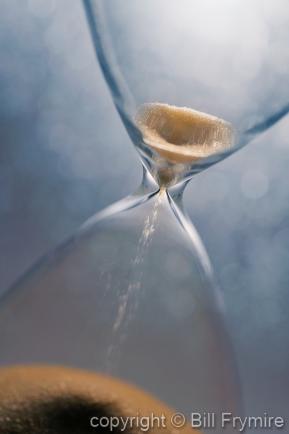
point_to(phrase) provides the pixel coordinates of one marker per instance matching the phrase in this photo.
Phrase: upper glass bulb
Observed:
(223, 64)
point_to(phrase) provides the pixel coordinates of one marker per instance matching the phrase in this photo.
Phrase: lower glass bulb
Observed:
(130, 295)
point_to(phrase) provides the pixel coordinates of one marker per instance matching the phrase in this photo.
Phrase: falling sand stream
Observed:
(128, 301)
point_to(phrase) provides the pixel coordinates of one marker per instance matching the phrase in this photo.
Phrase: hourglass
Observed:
(132, 294)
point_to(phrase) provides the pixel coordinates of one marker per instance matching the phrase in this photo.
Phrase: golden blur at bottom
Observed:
(59, 400)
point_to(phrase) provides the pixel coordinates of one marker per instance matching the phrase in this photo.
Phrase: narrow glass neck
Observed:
(150, 187)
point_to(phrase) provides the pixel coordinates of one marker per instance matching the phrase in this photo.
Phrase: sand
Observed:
(183, 135)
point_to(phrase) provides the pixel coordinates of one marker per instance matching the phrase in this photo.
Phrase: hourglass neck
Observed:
(149, 187)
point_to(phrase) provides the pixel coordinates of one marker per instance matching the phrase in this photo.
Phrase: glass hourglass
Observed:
(132, 293)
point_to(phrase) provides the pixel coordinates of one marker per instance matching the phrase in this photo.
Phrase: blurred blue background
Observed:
(64, 155)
